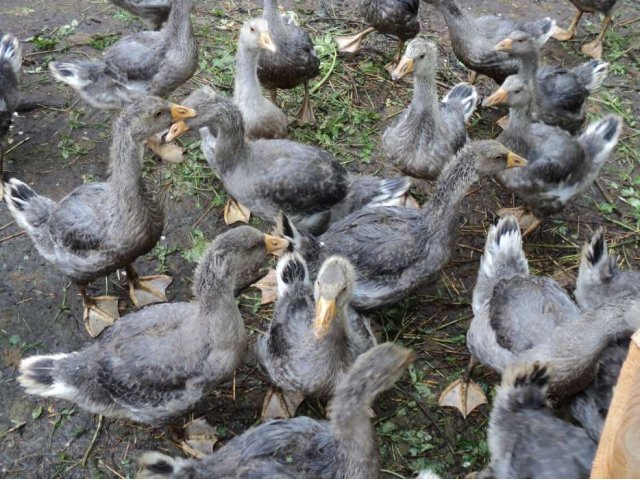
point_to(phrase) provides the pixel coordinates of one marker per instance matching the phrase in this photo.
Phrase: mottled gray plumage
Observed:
(560, 166)
(599, 277)
(262, 119)
(99, 227)
(269, 176)
(590, 6)
(393, 17)
(559, 93)
(10, 66)
(429, 132)
(591, 405)
(343, 447)
(525, 439)
(144, 63)
(295, 61)
(158, 362)
(295, 355)
(396, 250)
(519, 318)
(473, 38)
(155, 12)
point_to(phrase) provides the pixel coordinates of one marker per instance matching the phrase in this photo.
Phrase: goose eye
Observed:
(422, 56)
(252, 29)
(158, 113)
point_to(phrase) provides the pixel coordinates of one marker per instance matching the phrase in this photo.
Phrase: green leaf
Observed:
(37, 412)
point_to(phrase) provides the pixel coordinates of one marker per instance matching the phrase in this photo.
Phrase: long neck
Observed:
(179, 22)
(529, 64)
(214, 281)
(425, 97)
(230, 143)
(272, 15)
(455, 18)
(247, 89)
(126, 160)
(517, 134)
(456, 178)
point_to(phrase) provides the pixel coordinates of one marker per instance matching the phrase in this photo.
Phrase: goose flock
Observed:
(345, 244)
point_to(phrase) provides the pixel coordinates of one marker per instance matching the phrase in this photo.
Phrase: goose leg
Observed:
(390, 67)
(563, 35)
(305, 115)
(463, 394)
(352, 43)
(98, 313)
(473, 78)
(594, 49)
(146, 290)
(274, 96)
(527, 221)
(279, 403)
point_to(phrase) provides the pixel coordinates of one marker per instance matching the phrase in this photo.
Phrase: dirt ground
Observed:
(64, 144)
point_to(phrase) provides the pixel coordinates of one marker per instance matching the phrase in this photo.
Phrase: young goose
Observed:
(101, 227)
(473, 39)
(429, 132)
(396, 250)
(343, 447)
(145, 63)
(390, 17)
(294, 62)
(262, 119)
(520, 318)
(559, 93)
(269, 176)
(560, 166)
(512, 309)
(157, 363)
(526, 439)
(599, 277)
(594, 48)
(314, 336)
(154, 12)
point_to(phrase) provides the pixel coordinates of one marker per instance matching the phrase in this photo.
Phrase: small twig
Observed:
(93, 441)
(203, 216)
(11, 236)
(13, 147)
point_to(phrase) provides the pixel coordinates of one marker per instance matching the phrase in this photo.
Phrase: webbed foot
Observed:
(280, 404)
(200, 438)
(99, 313)
(235, 212)
(147, 290)
(352, 43)
(464, 395)
(527, 221)
(268, 286)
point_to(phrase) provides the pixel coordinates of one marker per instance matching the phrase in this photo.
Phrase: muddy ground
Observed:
(58, 147)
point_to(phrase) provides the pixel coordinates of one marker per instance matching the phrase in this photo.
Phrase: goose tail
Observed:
(523, 387)
(291, 270)
(40, 375)
(158, 465)
(599, 140)
(391, 192)
(541, 30)
(503, 255)
(29, 209)
(592, 74)
(11, 53)
(466, 95)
